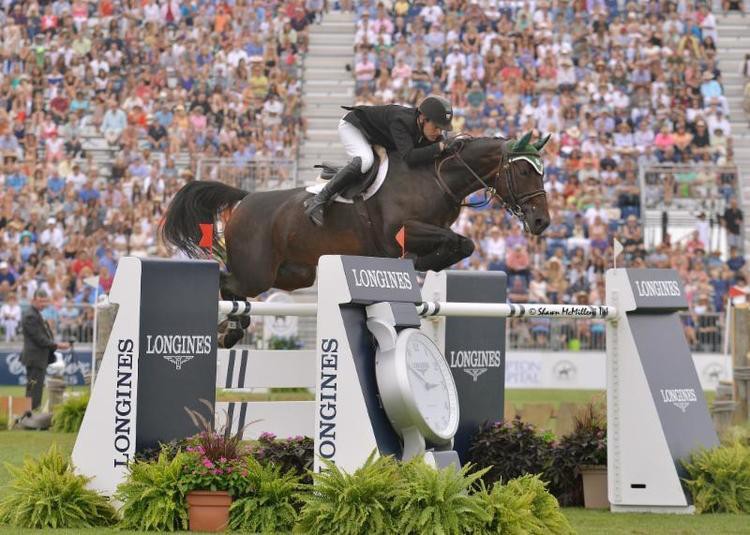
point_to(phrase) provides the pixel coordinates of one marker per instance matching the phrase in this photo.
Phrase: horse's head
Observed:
(520, 182)
(511, 170)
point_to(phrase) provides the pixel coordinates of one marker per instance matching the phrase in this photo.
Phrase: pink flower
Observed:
(207, 463)
(244, 473)
(217, 472)
(222, 459)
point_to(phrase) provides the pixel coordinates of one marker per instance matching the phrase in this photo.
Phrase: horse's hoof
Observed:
(228, 339)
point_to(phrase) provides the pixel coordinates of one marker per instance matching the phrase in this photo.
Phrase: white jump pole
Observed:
(432, 308)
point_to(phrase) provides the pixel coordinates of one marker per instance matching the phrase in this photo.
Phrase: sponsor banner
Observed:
(657, 289)
(176, 348)
(75, 365)
(474, 351)
(381, 279)
(588, 371)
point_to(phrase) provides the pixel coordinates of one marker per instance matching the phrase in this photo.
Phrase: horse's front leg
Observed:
(435, 248)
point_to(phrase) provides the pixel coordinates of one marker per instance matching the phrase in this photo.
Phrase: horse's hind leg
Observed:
(291, 276)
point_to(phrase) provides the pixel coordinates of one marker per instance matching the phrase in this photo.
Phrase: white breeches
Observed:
(356, 144)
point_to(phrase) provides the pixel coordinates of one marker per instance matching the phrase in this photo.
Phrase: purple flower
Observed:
(218, 472)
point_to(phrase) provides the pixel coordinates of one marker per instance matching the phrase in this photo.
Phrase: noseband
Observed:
(514, 203)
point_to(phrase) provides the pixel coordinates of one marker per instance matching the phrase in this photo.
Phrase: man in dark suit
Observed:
(38, 347)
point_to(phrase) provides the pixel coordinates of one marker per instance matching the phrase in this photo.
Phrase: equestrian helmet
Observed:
(437, 110)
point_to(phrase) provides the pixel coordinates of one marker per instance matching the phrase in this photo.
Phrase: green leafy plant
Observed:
(736, 434)
(202, 471)
(46, 494)
(585, 445)
(438, 501)
(523, 506)
(169, 449)
(510, 449)
(351, 504)
(284, 342)
(270, 506)
(67, 417)
(719, 479)
(295, 454)
(510, 513)
(544, 506)
(153, 496)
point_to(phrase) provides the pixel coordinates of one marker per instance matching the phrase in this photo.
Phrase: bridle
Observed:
(514, 204)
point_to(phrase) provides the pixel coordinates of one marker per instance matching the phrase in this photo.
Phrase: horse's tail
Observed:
(198, 203)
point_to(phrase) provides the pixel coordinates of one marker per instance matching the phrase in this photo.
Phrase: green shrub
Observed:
(169, 449)
(438, 501)
(544, 506)
(509, 512)
(510, 449)
(352, 504)
(523, 506)
(295, 454)
(3, 422)
(67, 417)
(736, 434)
(153, 497)
(719, 479)
(270, 507)
(46, 494)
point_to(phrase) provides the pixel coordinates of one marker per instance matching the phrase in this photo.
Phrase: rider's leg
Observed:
(358, 148)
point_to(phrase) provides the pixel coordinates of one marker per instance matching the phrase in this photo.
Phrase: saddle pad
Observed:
(369, 192)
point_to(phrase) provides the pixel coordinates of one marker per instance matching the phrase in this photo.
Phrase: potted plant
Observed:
(587, 444)
(215, 470)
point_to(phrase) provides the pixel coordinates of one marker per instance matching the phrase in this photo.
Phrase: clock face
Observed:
(432, 386)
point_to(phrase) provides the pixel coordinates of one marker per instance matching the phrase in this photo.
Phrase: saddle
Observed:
(328, 170)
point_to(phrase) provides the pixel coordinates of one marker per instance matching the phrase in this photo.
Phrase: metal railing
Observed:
(68, 322)
(672, 196)
(704, 333)
(256, 175)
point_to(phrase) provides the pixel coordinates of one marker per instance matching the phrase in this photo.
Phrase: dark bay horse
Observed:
(269, 242)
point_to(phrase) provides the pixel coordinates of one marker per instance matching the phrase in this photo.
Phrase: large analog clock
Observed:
(417, 388)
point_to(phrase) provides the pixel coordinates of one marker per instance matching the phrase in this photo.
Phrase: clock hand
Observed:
(428, 385)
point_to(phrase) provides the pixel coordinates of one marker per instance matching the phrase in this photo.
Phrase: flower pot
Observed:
(208, 510)
(595, 486)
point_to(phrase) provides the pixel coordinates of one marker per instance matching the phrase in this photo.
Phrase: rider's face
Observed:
(431, 131)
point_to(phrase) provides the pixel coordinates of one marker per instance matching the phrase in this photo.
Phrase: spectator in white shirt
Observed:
(10, 316)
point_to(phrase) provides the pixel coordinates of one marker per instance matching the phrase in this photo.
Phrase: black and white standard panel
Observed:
(160, 359)
(474, 347)
(657, 414)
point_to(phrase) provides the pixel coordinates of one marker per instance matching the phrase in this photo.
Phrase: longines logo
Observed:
(177, 348)
(475, 362)
(657, 288)
(380, 278)
(565, 370)
(679, 397)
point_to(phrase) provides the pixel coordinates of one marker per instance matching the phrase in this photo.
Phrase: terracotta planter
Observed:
(208, 510)
(595, 487)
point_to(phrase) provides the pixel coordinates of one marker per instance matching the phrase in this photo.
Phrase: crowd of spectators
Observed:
(148, 83)
(618, 90)
(99, 101)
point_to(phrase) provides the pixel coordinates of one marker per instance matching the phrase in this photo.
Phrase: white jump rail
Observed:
(241, 370)
(433, 308)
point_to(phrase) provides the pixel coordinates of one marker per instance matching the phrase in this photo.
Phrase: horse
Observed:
(270, 243)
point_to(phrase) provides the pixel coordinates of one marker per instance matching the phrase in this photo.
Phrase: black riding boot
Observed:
(346, 176)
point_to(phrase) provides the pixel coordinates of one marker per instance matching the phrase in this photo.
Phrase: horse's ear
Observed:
(539, 145)
(522, 143)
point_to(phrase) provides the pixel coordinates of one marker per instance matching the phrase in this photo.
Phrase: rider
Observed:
(416, 134)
